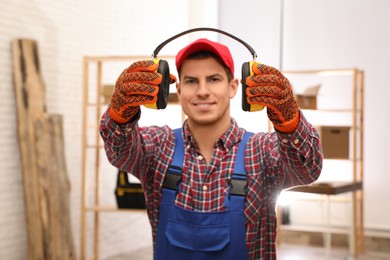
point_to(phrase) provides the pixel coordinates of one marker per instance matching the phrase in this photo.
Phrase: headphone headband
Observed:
(159, 47)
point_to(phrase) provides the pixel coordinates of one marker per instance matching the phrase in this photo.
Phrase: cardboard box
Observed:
(334, 141)
(308, 99)
(107, 93)
(307, 102)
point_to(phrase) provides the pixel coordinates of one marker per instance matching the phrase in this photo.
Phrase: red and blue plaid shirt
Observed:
(273, 161)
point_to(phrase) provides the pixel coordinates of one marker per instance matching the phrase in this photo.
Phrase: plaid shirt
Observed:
(273, 161)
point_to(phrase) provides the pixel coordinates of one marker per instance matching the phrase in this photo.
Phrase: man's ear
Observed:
(233, 88)
(178, 89)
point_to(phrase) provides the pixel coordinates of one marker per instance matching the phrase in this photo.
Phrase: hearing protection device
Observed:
(163, 69)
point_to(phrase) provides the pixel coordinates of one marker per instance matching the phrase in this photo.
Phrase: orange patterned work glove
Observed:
(137, 85)
(270, 88)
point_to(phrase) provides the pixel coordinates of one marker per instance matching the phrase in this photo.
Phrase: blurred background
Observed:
(77, 40)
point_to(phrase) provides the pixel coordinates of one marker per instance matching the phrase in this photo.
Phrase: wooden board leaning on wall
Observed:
(45, 180)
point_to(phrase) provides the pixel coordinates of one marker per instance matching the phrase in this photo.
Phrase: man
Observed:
(205, 216)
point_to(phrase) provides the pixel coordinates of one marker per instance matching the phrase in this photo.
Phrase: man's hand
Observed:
(137, 85)
(268, 87)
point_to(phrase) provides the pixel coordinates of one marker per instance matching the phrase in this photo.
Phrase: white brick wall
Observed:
(66, 31)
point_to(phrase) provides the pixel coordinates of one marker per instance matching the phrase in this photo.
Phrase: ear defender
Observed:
(163, 68)
(246, 71)
(163, 87)
(163, 92)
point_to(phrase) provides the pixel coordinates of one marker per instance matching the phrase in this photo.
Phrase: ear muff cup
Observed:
(163, 92)
(245, 72)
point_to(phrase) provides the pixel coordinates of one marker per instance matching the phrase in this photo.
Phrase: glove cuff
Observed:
(119, 118)
(289, 126)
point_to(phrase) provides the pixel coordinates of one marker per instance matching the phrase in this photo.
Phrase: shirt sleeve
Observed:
(300, 155)
(121, 143)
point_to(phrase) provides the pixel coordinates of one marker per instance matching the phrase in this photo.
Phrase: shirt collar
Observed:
(227, 140)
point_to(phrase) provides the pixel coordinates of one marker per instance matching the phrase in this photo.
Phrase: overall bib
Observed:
(186, 234)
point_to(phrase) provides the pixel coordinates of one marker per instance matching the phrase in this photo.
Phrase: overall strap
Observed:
(239, 165)
(173, 175)
(178, 154)
(238, 182)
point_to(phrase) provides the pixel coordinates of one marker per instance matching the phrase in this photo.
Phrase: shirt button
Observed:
(200, 157)
(285, 141)
(204, 187)
(296, 141)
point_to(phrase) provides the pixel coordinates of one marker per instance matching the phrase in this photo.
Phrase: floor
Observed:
(284, 251)
(299, 252)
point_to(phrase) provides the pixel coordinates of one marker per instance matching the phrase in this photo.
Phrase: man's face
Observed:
(204, 92)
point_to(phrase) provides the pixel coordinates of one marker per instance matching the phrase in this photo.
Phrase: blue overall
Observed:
(186, 234)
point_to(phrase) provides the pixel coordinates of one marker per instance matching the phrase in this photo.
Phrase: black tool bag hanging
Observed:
(128, 195)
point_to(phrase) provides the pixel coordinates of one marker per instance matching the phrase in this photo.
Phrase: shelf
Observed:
(112, 209)
(114, 58)
(329, 188)
(322, 229)
(332, 72)
(94, 146)
(340, 110)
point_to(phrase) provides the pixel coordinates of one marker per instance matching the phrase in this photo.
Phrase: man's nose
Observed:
(204, 88)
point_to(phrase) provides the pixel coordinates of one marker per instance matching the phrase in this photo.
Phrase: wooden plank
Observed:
(46, 188)
(29, 94)
(54, 187)
(61, 229)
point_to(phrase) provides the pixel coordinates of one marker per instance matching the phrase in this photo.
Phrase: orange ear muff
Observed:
(163, 87)
(163, 92)
(246, 71)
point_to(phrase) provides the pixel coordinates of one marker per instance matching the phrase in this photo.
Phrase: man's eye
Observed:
(190, 81)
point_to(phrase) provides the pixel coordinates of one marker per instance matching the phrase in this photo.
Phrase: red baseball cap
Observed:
(206, 45)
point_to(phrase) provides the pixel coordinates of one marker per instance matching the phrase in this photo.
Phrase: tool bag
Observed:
(128, 195)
